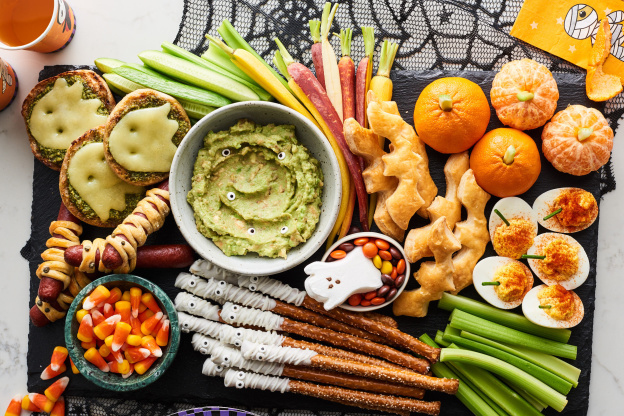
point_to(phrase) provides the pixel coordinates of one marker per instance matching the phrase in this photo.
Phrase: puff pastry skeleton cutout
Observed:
(472, 233)
(448, 206)
(435, 278)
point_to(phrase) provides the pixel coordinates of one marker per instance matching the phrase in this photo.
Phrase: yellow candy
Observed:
(386, 267)
(109, 340)
(126, 296)
(104, 351)
(134, 340)
(81, 314)
(377, 261)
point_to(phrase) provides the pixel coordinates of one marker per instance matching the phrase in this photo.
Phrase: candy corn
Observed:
(150, 323)
(115, 295)
(123, 308)
(134, 340)
(136, 354)
(56, 389)
(59, 408)
(15, 406)
(104, 351)
(87, 345)
(119, 368)
(85, 331)
(28, 405)
(136, 326)
(142, 307)
(148, 300)
(73, 367)
(130, 371)
(97, 316)
(135, 300)
(48, 373)
(107, 327)
(93, 356)
(108, 310)
(158, 326)
(125, 296)
(59, 355)
(81, 314)
(162, 337)
(41, 401)
(145, 315)
(122, 330)
(149, 342)
(144, 365)
(99, 295)
(117, 355)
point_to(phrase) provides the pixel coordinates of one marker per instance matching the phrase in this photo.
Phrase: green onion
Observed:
(510, 319)
(552, 214)
(552, 380)
(553, 364)
(490, 284)
(467, 322)
(529, 383)
(466, 393)
(500, 393)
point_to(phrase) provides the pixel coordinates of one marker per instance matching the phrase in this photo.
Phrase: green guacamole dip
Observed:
(256, 189)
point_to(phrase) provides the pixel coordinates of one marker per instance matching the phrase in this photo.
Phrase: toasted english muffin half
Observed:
(142, 135)
(60, 109)
(90, 189)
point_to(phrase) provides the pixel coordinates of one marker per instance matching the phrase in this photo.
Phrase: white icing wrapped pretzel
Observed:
(276, 354)
(206, 269)
(185, 302)
(273, 288)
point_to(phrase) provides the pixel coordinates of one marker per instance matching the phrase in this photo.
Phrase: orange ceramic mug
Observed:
(8, 84)
(36, 25)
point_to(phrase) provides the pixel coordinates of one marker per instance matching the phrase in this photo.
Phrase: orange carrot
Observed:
(346, 69)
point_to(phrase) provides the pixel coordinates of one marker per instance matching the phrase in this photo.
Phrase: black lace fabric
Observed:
(432, 34)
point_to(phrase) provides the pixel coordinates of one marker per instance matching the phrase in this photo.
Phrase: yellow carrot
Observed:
(346, 224)
(381, 84)
(261, 75)
(330, 66)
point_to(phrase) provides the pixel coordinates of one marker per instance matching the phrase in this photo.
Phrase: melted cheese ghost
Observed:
(61, 116)
(141, 140)
(96, 183)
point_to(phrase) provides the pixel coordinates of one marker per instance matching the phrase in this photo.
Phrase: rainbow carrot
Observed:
(317, 51)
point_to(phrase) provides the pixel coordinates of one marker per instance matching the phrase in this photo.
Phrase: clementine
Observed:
(451, 114)
(506, 162)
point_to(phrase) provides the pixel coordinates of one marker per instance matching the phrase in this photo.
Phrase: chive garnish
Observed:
(545, 306)
(490, 283)
(552, 214)
(497, 212)
(533, 256)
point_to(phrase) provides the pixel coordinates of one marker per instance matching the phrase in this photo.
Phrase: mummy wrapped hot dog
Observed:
(238, 315)
(118, 252)
(221, 292)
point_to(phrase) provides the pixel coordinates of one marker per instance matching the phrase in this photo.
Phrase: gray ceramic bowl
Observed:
(110, 380)
(262, 113)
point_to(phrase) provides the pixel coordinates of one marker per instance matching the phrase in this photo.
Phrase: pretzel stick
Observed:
(235, 336)
(389, 333)
(287, 355)
(241, 379)
(117, 253)
(229, 357)
(220, 291)
(235, 314)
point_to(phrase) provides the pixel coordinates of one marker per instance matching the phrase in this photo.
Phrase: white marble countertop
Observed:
(121, 29)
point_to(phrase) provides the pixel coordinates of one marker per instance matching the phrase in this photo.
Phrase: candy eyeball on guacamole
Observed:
(256, 189)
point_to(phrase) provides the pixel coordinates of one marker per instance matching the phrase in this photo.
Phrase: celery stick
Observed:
(532, 385)
(553, 364)
(467, 322)
(554, 381)
(439, 338)
(235, 41)
(217, 56)
(507, 318)
(466, 393)
(537, 404)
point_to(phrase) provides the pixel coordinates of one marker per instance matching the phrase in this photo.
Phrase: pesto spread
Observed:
(256, 189)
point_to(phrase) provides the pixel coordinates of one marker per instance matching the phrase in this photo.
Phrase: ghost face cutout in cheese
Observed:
(141, 140)
(62, 115)
(96, 183)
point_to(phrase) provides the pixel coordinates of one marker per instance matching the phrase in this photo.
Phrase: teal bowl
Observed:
(112, 381)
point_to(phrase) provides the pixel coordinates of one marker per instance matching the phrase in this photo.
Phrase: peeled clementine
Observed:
(451, 114)
(506, 162)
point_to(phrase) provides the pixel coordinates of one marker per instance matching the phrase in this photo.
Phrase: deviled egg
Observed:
(574, 209)
(514, 239)
(553, 307)
(564, 261)
(501, 281)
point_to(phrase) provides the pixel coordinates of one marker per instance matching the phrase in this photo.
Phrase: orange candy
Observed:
(355, 299)
(93, 356)
(122, 330)
(162, 337)
(142, 366)
(147, 313)
(57, 389)
(85, 331)
(135, 300)
(73, 367)
(360, 241)
(108, 310)
(377, 300)
(385, 255)
(59, 408)
(149, 343)
(370, 250)
(48, 373)
(15, 406)
(98, 317)
(148, 326)
(41, 401)
(148, 300)
(365, 303)
(104, 351)
(123, 309)
(119, 368)
(382, 244)
(136, 354)
(99, 295)
(370, 295)
(28, 405)
(400, 267)
(59, 355)
(115, 295)
(338, 254)
(117, 355)
(104, 329)
(136, 326)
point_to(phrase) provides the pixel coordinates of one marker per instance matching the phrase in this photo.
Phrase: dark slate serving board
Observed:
(183, 382)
